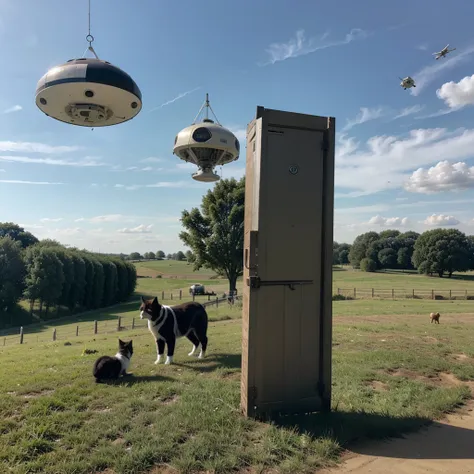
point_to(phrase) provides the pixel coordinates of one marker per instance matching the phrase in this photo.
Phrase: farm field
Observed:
(390, 375)
(179, 275)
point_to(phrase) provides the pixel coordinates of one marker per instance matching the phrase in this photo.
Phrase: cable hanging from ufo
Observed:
(206, 144)
(88, 92)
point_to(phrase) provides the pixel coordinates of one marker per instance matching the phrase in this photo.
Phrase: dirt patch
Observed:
(170, 400)
(231, 376)
(442, 379)
(163, 469)
(378, 386)
(41, 393)
(461, 357)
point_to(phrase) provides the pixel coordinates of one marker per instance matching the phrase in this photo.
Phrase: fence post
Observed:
(171, 296)
(162, 295)
(413, 292)
(4, 340)
(372, 292)
(393, 293)
(355, 293)
(194, 296)
(466, 294)
(217, 301)
(119, 323)
(432, 294)
(180, 294)
(77, 330)
(21, 335)
(450, 294)
(208, 297)
(338, 291)
(54, 334)
(95, 327)
(133, 323)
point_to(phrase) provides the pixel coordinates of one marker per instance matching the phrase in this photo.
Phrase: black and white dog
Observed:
(168, 323)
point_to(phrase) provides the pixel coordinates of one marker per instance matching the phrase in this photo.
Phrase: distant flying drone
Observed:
(407, 83)
(443, 52)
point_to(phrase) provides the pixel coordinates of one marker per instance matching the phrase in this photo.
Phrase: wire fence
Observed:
(400, 293)
(53, 331)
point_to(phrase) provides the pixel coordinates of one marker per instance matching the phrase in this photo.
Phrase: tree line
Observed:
(180, 256)
(435, 252)
(52, 276)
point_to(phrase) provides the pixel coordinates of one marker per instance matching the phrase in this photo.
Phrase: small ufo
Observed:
(206, 144)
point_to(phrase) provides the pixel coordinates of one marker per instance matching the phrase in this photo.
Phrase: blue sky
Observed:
(404, 158)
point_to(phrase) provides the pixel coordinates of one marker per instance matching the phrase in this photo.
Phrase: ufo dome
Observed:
(88, 92)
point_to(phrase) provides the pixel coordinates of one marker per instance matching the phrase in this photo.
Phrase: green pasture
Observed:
(391, 374)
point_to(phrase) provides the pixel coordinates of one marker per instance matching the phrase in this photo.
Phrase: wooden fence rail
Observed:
(103, 327)
(399, 293)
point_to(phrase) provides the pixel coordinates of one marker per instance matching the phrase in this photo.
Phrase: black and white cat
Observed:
(168, 323)
(107, 367)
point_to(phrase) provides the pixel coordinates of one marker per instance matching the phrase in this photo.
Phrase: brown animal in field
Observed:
(434, 317)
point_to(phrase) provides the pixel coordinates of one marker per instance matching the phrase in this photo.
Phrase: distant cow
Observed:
(434, 317)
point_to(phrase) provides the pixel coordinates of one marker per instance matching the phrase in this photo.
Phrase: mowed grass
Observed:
(349, 278)
(390, 375)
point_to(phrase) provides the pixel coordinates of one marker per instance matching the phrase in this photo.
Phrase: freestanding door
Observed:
(287, 295)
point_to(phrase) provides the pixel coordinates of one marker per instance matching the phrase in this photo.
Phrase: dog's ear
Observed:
(143, 300)
(155, 301)
(121, 343)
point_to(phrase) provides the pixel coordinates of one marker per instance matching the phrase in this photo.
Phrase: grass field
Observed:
(390, 374)
(179, 275)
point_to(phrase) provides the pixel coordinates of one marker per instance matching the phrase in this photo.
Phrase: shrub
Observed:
(368, 265)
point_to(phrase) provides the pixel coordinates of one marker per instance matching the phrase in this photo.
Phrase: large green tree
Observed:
(17, 233)
(12, 272)
(45, 276)
(442, 251)
(215, 234)
(359, 247)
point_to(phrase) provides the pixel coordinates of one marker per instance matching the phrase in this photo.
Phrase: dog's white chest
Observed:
(154, 329)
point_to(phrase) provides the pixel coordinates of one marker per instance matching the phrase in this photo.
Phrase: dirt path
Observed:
(444, 446)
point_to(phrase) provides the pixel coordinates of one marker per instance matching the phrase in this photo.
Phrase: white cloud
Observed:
(445, 176)
(409, 111)
(141, 229)
(388, 221)
(51, 219)
(147, 168)
(15, 108)
(422, 47)
(51, 161)
(178, 97)
(2, 171)
(31, 226)
(430, 73)
(441, 220)
(388, 161)
(17, 181)
(365, 115)
(169, 184)
(31, 147)
(300, 46)
(457, 95)
(107, 218)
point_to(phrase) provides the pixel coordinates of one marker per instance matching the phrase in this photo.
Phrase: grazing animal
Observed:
(111, 368)
(168, 323)
(434, 317)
